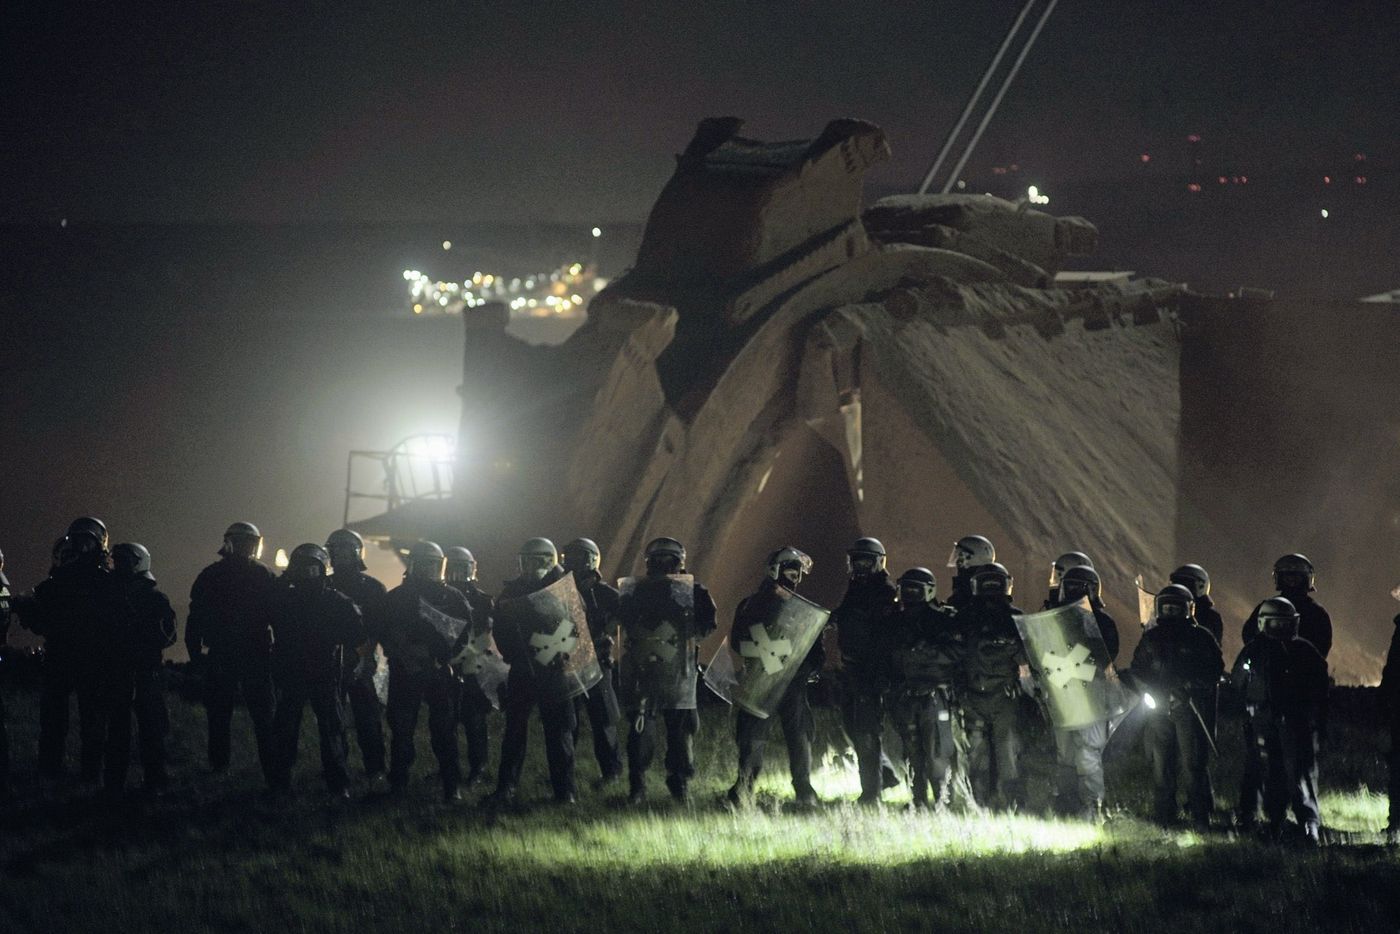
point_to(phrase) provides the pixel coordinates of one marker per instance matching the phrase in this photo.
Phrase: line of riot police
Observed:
(949, 677)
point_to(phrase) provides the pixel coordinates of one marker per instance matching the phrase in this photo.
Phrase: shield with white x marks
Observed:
(777, 630)
(547, 633)
(658, 641)
(1067, 653)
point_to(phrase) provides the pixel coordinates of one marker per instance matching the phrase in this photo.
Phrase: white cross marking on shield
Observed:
(1074, 665)
(562, 642)
(770, 652)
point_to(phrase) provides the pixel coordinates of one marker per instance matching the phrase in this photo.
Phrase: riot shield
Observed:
(722, 674)
(548, 629)
(1147, 603)
(448, 628)
(1067, 653)
(478, 663)
(774, 650)
(658, 649)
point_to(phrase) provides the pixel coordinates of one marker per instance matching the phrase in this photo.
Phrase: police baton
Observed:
(1204, 729)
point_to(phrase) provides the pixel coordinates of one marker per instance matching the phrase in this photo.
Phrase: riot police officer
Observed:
(407, 623)
(314, 626)
(969, 553)
(1296, 580)
(653, 684)
(153, 631)
(347, 553)
(228, 617)
(539, 568)
(995, 661)
(928, 659)
(581, 557)
(1195, 579)
(473, 705)
(786, 569)
(1079, 785)
(863, 638)
(1283, 681)
(1177, 665)
(1066, 561)
(83, 615)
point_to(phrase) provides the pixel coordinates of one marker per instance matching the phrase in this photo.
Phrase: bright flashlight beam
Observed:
(1150, 701)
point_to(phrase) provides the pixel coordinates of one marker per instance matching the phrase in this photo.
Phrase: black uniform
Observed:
(639, 613)
(419, 674)
(314, 627)
(794, 710)
(1284, 687)
(1208, 618)
(1390, 712)
(1314, 623)
(991, 674)
(1179, 664)
(228, 615)
(1079, 782)
(473, 706)
(927, 674)
(863, 637)
(960, 593)
(601, 602)
(357, 679)
(82, 613)
(153, 631)
(559, 718)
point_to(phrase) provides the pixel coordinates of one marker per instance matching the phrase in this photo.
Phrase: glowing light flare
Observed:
(447, 244)
(1034, 196)
(597, 232)
(1145, 158)
(281, 560)
(1325, 214)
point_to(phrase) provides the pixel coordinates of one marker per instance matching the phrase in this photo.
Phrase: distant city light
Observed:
(1145, 158)
(961, 184)
(1193, 138)
(1326, 179)
(447, 244)
(1034, 196)
(1360, 179)
(1324, 212)
(597, 231)
(1193, 186)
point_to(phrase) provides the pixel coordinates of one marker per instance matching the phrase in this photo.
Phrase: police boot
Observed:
(806, 796)
(679, 789)
(503, 797)
(638, 792)
(740, 794)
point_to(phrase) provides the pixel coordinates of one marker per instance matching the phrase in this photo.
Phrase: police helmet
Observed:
(789, 558)
(582, 554)
(1082, 581)
(865, 556)
(1070, 559)
(461, 564)
(917, 585)
(425, 561)
(1294, 572)
(242, 539)
(132, 560)
(537, 556)
(347, 549)
(992, 580)
(91, 524)
(1194, 578)
(1278, 618)
(308, 561)
(77, 546)
(1174, 602)
(665, 555)
(972, 551)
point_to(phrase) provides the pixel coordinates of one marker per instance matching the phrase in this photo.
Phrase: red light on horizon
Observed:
(1193, 138)
(1360, 179)
(1193, 187)
(1144, 158)
(1326, 179)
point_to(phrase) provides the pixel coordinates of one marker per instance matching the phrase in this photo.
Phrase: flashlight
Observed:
(1150, 701)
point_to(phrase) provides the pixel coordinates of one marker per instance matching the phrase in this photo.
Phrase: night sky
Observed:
(569, 112)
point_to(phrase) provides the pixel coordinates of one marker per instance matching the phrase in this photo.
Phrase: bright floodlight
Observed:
(597, 231)
(281, 560)
(447, 244)
(1150, 701)
(1324, 212)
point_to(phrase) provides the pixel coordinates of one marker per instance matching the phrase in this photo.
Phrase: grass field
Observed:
(215, 855)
